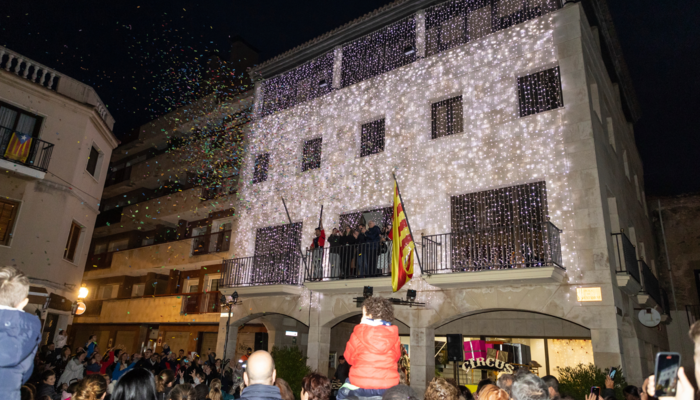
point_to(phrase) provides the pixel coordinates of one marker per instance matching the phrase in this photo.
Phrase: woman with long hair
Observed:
(285, 389)
(164, 383)
(184, 391)
(74, 369)
(123, 366)
(138, 384)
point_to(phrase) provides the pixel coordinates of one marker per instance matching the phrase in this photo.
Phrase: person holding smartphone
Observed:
(668, 385)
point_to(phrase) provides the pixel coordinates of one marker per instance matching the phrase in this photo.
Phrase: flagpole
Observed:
(407, 223)
(301, 254)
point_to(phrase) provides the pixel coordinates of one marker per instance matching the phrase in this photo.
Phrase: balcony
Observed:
(529, 254)
(651, 290)
(200, 303)
(627, 271)
(37, 161)
(169, 308)
(263, 275)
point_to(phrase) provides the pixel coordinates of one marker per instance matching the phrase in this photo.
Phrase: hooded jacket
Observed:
(20, 336)
(373, 352)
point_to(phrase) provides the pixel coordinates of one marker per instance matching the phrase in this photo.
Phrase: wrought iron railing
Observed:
(267, 269)
(365, 260)
(211, 243)
(39, 154)
(201, 303)
(665, 304)
(693, 313)
(626, 255)
(494, 248)
(650, 284)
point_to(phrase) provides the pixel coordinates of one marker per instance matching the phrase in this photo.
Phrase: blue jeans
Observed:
(349, 390)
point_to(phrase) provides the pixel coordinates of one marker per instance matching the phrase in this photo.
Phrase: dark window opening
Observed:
(262, 161)
(92, 161)
(540, 92)
(372, 138)
(312, 154)
(447, 117)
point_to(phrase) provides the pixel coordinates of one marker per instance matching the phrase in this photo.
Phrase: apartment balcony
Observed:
(650, 296)
(263, 275)
(141, 260)
(627, 271)
(516, 254)
(38, 157)
(170, 308)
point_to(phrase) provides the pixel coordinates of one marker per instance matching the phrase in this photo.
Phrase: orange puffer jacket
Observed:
(373, 352)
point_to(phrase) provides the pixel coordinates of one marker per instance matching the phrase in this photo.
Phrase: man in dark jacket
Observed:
(20, 333)
(373, 236)
(259, 378)
(343, 370)
(335, 241)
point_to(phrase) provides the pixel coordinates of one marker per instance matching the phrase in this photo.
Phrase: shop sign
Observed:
(488, 363)
(589, 294)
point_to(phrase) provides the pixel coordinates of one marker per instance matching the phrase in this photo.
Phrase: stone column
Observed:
(222, 339)
(319, 342)
(422, 358)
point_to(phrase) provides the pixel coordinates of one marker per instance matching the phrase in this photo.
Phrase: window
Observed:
(262, 161)
(13, 119)
(479, 23)
(72, 244)
(281, 239)
(595, 100)
(625, 164)
(540, 92)
(8, 213)
(192, 285)
(311, 158)
(447, 117)
(100, 248)
(611, 133)
(121, 244)
(636, 188)
(109, 291)
(137, 289)
(94, 162)
(372, 138)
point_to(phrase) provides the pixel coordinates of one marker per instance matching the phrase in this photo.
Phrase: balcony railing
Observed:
(268, 269)
(365, 260)
(650, 284)
(211, 243)
(693, 313)
(626, 255)
(201, 303)
(494, 248)
(39, 151)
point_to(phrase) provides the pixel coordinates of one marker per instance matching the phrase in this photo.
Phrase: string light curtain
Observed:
(354, 219)
(501, 228)
(280, 239)
(306, 82)
(372, 140)
(379, 52)
(312, 154)
(447, 117)
(540, 92)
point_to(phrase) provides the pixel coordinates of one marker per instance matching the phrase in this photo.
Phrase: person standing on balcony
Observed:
(316, 250)
(361, 251)
(346, 252)
(335, 239)
(373, 237)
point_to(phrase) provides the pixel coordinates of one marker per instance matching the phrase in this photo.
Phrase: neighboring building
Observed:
(681, 224)
(509, 127)
(55, 143)
(155, 259)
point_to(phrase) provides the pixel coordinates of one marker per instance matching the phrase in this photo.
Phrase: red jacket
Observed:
(321, 240)
(373, 352)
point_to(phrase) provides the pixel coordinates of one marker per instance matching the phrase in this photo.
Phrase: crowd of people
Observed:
(363, 251)
(371, 368)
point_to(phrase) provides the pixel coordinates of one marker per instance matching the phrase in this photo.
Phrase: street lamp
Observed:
(83, 292)
(228, 301)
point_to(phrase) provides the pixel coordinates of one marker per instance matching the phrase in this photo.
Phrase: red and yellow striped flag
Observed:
(403, 248)
(18, 147)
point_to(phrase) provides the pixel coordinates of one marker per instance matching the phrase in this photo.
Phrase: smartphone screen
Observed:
(666, 373)
(596, 391)
(613, 371)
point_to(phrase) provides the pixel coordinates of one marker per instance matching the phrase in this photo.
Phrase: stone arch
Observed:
(476, 313)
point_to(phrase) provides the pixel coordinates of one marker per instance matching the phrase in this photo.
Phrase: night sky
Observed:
(124, 48)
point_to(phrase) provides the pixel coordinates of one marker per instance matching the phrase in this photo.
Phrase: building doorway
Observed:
(50, 324)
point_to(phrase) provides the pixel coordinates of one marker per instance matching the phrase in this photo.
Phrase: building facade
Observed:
(156, 254)
(509, 126)
(55, 143)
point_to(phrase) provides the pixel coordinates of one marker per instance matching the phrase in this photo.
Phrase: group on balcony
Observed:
(353, 252)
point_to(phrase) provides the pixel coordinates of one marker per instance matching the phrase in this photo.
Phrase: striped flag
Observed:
(18, 147)
(403, 251)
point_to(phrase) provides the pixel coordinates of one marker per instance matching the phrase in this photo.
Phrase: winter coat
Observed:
(20, 337)
(342, 372)
(373, 352)
(263, 392)
(105, 364)
(74, 370)
(60, 341)
(47, 390)
(319, 241)
(90, 349)
(373, 234)
(93, 368)
(118, 372)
